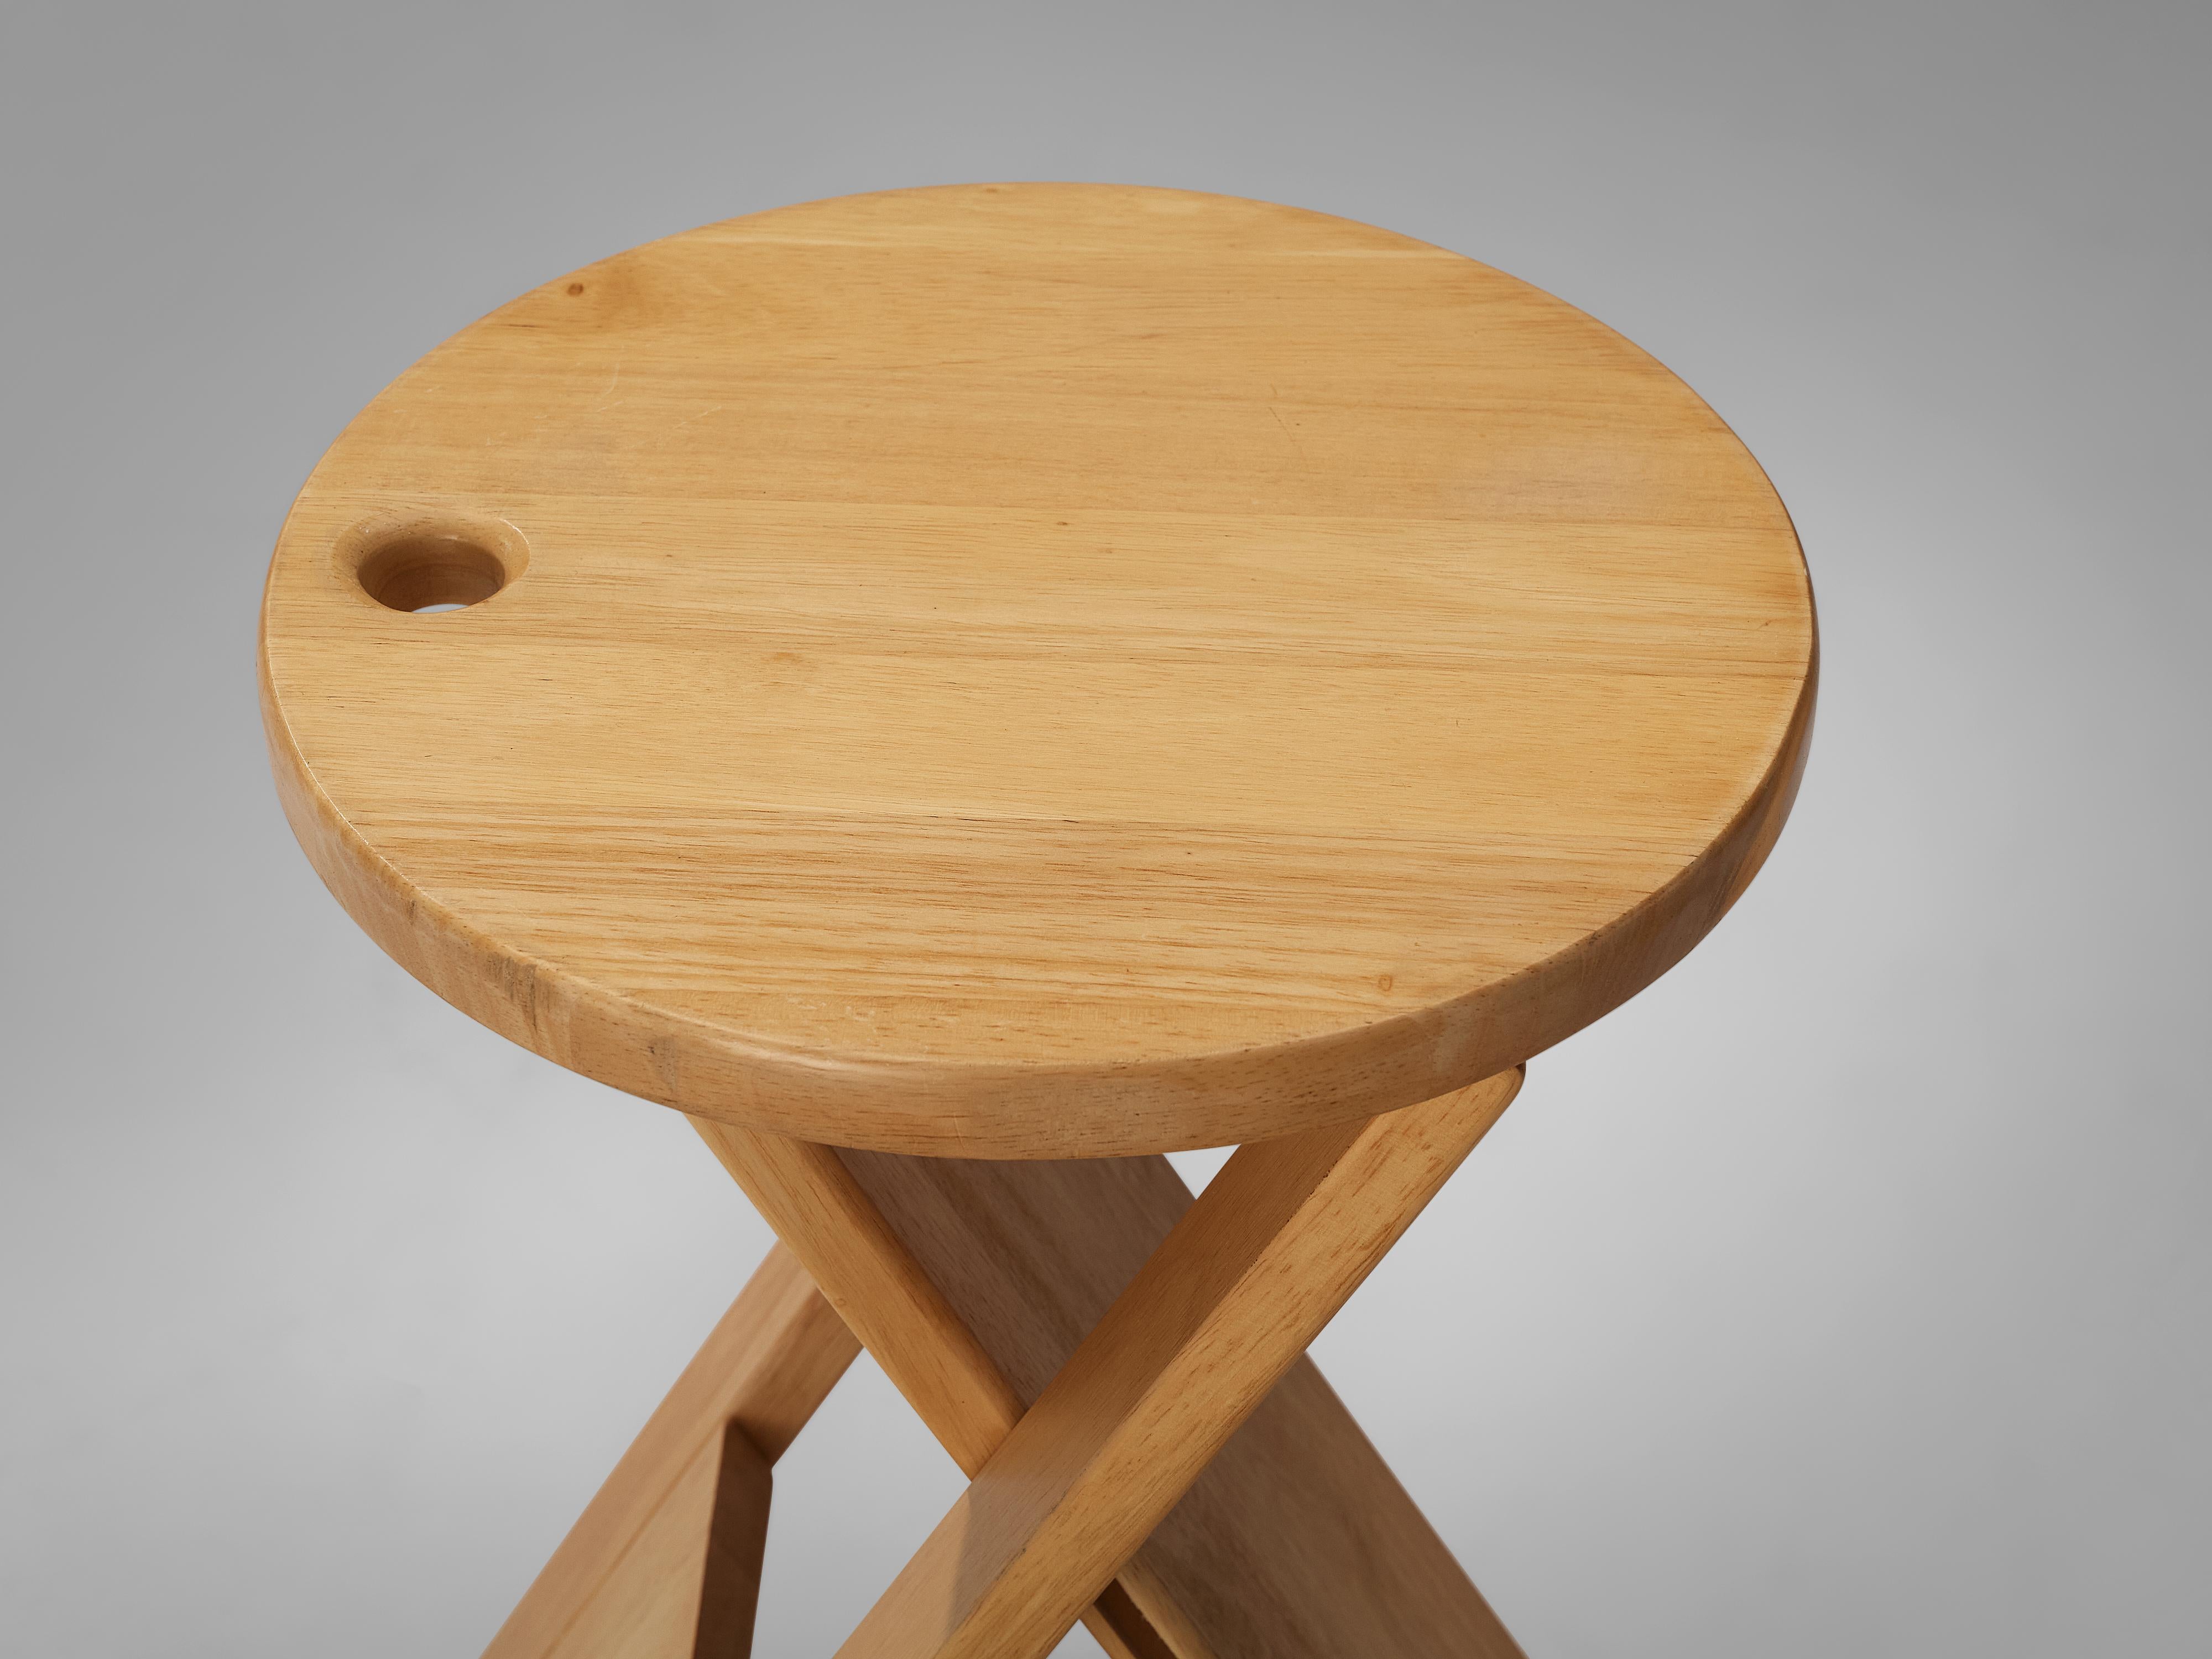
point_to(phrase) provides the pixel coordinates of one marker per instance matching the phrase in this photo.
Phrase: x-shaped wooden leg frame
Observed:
(1119, 1369)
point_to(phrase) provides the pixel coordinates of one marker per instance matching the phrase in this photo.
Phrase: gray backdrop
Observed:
(1846, 1294)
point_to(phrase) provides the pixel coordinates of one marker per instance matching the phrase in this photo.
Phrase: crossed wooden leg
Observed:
(1085, 1341)
(665, 1560)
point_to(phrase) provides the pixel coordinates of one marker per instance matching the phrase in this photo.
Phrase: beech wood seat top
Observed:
(1037, 670)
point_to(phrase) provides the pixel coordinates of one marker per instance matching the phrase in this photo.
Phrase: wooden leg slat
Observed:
(1297, 1541)
(1228, 1303)
(737, 1541)
(666, 1557)
(899, 1313)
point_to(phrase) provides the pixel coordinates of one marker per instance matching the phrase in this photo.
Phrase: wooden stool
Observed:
(964, 691)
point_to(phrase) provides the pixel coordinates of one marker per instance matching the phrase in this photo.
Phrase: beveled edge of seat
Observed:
(933, 1108)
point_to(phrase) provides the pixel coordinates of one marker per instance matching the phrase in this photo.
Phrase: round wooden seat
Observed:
(1037, 670)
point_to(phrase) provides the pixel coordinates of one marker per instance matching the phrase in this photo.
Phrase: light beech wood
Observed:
(1037, 670)
(973, 1282)
(1056, 673)
(1295, 1542)
(664, 1562)
(737, 1539)
(1251, 1274)
(890, 1303)
(826, 1220)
